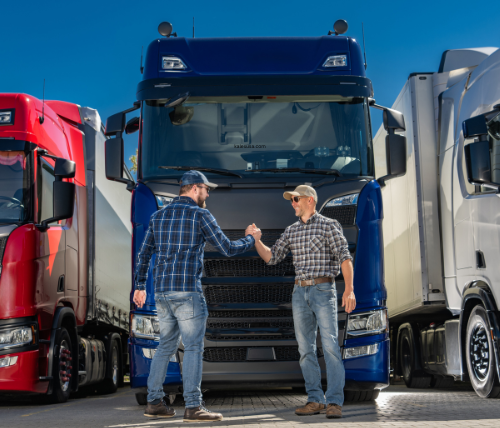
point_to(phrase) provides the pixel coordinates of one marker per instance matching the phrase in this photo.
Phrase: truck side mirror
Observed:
(63, 202)
(478, 164)
(113, 160)
(393, 120)
(395, 146)
(115, 124)
(64, 168)
(132, 126)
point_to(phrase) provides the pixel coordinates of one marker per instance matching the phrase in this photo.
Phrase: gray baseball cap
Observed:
(302, 190)
(196, 177)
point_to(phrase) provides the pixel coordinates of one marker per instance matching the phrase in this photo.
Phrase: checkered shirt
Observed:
(318, 247)
(177, 235)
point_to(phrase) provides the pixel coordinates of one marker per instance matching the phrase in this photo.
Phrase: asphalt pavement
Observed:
(396, 406)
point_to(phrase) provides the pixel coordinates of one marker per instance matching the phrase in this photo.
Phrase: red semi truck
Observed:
(65, 238)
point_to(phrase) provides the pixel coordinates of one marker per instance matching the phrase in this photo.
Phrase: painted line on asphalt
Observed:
(58, 406)
(171, 421)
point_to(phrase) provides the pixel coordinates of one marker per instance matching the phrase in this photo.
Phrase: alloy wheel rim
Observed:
(479, 351)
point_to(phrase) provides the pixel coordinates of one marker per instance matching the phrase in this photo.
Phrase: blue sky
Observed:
(89, 52)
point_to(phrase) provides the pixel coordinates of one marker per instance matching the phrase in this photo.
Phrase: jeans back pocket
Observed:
(182, 309)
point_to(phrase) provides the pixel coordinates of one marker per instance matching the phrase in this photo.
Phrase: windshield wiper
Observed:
(301, 170)
(202, 168)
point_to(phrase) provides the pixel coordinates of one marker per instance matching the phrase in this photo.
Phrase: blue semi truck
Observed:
(259, 116)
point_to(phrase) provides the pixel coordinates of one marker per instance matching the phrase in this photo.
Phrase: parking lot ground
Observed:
(396, 406)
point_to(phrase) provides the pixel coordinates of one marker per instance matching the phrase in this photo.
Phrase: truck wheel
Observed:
(442, 382)
(61, 367)
(412, 378)
(359, 396)
(110, 385)
(142, 398)
(480, 355)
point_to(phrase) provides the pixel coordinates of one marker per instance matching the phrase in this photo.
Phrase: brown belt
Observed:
(308, 282)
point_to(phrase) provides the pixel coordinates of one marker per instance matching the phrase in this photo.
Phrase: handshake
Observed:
(254, 231)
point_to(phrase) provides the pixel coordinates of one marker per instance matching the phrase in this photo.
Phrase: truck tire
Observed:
(412, 377)
(110, 384)
(442, 382)
(480, 355)
(359, 396)
(61, 384)
(142, 398)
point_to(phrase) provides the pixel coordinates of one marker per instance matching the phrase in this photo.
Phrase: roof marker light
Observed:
(173, 63)
(336, 61)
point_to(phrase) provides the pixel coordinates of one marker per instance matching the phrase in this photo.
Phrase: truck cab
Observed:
(259, 116)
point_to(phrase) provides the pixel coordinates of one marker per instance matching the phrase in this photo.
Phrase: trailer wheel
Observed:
(61, 369)
(142, 398)
(480, 355)
(110, 384)
(412, 377)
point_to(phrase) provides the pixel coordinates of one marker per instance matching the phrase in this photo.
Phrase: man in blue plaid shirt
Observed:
(177, 235)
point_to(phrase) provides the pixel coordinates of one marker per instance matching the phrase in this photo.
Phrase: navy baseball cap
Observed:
(196, 177)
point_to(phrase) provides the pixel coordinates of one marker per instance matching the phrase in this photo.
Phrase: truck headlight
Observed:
(173, 63)
(145, 327)
(344, 200)
(7, 117)
(17, 336)
(163, 201)
(368, 323)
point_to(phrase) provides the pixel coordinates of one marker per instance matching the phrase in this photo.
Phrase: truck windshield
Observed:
(255, 136)
(13, 185)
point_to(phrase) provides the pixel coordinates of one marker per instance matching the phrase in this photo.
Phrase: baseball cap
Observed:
(196, 177)
(302, 190)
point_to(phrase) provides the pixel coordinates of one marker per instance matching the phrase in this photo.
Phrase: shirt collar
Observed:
(311, 219)
(185, 199)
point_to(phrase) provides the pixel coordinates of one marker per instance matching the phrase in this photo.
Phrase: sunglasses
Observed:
(296, 199)
(204, 187)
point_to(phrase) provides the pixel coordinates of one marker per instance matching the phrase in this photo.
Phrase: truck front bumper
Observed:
(23, 375)
(361, 373)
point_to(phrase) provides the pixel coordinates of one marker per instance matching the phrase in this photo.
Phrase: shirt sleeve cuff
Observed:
(345, 257)
(140, 287)
(252, 239)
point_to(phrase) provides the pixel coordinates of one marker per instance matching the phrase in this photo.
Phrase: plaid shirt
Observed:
(318, 247)
(177, 235)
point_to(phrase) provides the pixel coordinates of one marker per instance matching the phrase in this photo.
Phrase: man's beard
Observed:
(201, 203)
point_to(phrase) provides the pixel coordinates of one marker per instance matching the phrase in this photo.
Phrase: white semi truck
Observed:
(442, 225)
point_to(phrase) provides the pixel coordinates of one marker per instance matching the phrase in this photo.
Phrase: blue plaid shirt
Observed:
(177, 235)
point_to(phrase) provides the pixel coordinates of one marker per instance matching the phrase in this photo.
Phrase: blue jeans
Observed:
(180, 314)
(314, 306)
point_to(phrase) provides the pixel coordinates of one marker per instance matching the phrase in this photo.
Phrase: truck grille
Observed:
(252, 337)
(269, 236)
(345, 215)
(237, 293)
(262, 323)
(239, 353)
(247, 268)
(250, 314)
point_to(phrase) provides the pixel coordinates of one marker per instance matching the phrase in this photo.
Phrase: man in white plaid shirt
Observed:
(319, 251)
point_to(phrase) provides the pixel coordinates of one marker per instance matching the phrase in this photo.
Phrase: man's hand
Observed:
(250, 230)
(257, 233)
(139, 298)
(349, 300)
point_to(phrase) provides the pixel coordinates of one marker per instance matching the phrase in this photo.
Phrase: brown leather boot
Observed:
(201, 414)
(310, 409)
(333, 411)
(160, 410)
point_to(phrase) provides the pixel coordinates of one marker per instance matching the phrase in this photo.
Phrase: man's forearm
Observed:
(264, 251)
(348, 273)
